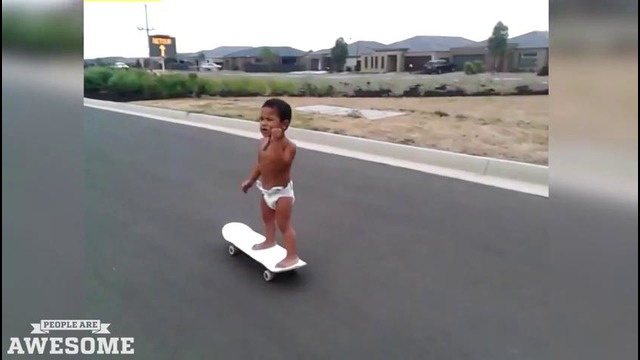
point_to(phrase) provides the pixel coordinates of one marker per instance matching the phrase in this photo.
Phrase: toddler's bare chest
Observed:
(269, 157)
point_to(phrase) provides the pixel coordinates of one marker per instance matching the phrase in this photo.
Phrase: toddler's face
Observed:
(269, 119)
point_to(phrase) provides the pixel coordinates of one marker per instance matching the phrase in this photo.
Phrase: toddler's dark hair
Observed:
(281, 107)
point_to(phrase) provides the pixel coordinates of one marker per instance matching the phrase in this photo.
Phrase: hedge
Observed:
(137, 84)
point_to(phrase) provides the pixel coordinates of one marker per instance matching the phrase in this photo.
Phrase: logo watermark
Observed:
(71, 345)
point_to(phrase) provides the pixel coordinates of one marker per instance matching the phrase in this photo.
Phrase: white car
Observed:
(119, 65)
(210, 66)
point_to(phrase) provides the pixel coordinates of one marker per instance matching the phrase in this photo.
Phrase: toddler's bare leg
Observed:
(283, 220)
(269, 219)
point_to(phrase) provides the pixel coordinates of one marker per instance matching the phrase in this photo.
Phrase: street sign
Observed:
(162, 46)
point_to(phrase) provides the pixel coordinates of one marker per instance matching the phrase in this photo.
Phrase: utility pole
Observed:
(146, 28)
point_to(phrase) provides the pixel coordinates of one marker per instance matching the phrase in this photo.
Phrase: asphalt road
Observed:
(401, 264)
(118, 218)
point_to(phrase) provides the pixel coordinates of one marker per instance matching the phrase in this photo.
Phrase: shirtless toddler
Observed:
(273, 168)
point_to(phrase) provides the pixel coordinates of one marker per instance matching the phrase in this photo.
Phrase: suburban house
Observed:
(410, 54)
(217, 55)
(531, 52)
(321, 59)
(214, 56)
(525, 53)
(282, 59)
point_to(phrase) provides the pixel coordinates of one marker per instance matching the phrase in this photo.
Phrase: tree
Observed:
(339, 54)
(269, 56)
(200, 59)
(497, 45)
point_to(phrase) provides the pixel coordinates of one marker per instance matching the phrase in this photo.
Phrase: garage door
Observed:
(459, 60)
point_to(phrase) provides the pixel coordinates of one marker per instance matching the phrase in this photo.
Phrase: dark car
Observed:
(439, 66)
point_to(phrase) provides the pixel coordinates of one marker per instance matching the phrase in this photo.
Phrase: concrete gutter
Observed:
(511, 175)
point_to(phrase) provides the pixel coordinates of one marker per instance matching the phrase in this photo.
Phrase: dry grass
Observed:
(514, 128)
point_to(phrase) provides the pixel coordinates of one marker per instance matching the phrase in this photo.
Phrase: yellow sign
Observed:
(162, 49)
(161, 41)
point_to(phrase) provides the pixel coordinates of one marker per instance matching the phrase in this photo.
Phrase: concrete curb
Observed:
(506, 174)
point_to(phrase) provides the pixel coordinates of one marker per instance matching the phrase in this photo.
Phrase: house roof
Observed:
(282, 51)
(426, 43)
(222, 51)
(532, 39)
(218, 52)
(355, 49)
(111, 59)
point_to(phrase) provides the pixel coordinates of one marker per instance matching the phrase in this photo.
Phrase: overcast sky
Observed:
(110, 29)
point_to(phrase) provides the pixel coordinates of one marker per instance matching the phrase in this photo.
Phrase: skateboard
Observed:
(241, 238)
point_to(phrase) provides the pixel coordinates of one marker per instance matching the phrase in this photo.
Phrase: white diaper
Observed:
(272, 195)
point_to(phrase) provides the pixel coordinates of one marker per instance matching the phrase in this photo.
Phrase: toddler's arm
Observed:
(286, 148)
(253, 176)
(255, 173)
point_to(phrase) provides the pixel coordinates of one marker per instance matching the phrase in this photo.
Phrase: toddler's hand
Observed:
(277, 133)
(246, 185)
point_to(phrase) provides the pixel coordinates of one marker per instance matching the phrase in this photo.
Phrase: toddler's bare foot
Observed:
(288, 261)
(263, 245)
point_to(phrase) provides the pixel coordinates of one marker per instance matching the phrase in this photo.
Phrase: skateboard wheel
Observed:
(268, 275)
(232, 250)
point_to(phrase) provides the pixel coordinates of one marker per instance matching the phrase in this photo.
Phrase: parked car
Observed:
(210, 66)
(439, 66)
(119, 65)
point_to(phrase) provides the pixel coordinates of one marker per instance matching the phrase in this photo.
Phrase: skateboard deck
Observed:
(242, 238)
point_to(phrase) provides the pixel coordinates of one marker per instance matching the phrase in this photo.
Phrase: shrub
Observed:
(212, 87)
(243, 86)
(479, 66)
(126, 84)
(544, 71)
(474, 67)
(282, 88)
(96, 78)
(152, 88)
(319, 90)
(138, 84)
(174, 86)
(199, 87)
(469, 69)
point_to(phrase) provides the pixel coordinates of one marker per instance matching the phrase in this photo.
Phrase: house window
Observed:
(528, 59)
(375, 60)
(366, 62)
(382, 62)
